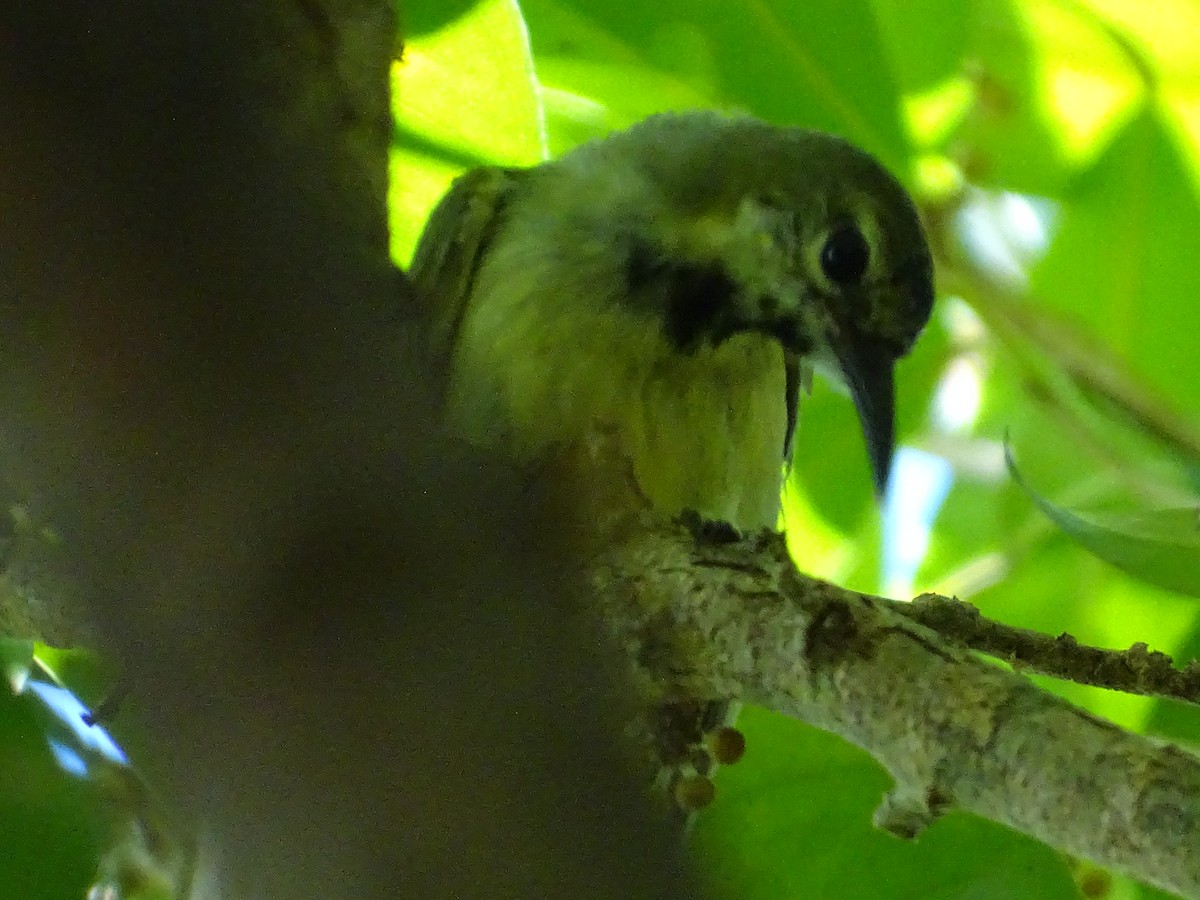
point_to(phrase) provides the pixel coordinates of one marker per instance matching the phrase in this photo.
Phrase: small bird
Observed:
(670, 288)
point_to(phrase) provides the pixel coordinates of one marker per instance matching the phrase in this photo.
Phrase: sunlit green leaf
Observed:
(1123, 258)
(463, 96)
(1160, 546)
(88, 674)
(941, 30)
(1051, 88)
(784, 62)
(603, 97)
(1174, 719)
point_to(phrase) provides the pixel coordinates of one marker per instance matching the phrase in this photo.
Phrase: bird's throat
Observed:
(706, 431)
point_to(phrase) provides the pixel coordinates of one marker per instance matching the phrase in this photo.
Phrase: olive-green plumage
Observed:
(664, 293)
(669, 287)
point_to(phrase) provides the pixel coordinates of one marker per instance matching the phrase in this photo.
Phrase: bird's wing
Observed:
(453, 245)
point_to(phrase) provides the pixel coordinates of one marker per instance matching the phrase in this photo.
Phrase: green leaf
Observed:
(1161, 547)
(48, 832)
(784, 62)
(88, 674)
(586, 99)
(925, 40)
(418, 17)
(16, 656)
(1173, 719)
(793, 819)
(1051, 87)
(464, 95)
(1122, 263)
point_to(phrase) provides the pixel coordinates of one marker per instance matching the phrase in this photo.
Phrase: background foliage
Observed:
(1053, 147)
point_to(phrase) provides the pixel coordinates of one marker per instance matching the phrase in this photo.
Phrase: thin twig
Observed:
(1137, 670)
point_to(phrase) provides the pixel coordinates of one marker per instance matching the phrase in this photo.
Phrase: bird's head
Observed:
(791, 233)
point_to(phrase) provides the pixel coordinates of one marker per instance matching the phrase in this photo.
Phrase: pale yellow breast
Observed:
(706, 432)
(701, 431)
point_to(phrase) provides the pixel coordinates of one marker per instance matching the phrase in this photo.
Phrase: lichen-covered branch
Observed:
(1136, 670)
(954, 731)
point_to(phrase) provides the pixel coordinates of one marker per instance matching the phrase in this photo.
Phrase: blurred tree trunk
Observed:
(353, 647)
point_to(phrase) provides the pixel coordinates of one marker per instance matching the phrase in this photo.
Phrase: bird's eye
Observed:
(845, 256)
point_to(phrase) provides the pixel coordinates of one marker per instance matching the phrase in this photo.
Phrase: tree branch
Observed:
(739, 621)
(1137, 670)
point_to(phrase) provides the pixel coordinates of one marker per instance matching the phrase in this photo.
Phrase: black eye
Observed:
(845, 256)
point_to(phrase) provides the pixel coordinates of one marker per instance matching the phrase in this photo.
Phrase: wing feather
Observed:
(452, 246)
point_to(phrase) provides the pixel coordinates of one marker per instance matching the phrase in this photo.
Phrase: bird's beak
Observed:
(867, 367)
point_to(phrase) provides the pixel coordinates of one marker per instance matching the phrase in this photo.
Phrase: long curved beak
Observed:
(867, 367)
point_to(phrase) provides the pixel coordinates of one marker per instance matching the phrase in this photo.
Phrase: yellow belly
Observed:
(705, 432)
(702, 431)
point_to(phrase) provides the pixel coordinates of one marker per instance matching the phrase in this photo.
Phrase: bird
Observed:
(666, 292)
